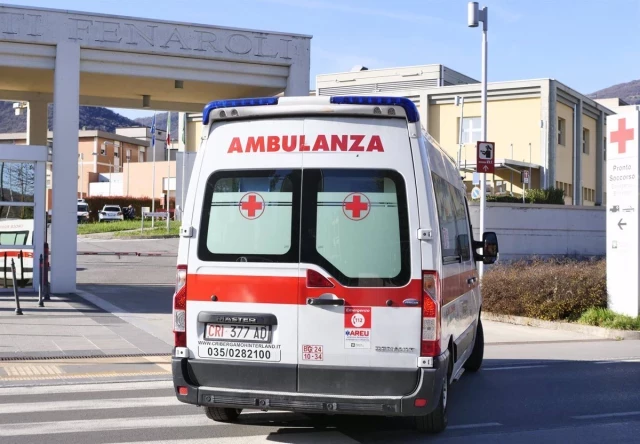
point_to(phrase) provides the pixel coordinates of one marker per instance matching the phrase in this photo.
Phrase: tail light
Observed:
(180, 308)
(119, 213)
(431, 302)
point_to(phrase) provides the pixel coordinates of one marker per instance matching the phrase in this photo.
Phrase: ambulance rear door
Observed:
(359, 322)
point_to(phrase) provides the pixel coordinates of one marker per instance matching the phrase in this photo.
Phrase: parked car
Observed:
(110, 213)
(83, 212)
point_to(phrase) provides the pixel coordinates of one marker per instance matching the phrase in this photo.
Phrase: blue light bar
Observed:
(408, 106)
(236, 103)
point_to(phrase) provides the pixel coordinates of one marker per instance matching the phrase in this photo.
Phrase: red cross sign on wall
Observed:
(251, 206)
(356, 206)
(622, 136)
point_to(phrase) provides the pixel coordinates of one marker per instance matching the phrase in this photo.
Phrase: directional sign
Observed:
(486, 158)
(475, 193)
(622, 218)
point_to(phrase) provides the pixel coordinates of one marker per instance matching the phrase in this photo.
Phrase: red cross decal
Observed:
(622, 136)
(251, 206)
(358, 207)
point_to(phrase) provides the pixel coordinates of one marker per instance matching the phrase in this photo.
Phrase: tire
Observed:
(220, 414)
(474, 362)
(436, 421)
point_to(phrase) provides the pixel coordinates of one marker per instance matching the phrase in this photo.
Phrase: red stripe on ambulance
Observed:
(289, 144)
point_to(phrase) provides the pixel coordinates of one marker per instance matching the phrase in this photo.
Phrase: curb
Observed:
(607, 333)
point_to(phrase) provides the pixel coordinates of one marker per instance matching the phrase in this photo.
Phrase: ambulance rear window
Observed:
(248, 217)
(355, 225)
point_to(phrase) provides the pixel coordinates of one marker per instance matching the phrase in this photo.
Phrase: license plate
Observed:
(233, 353)
(238, 333)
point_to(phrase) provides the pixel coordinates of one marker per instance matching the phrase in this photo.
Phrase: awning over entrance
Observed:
(71, 58)
(502, 164)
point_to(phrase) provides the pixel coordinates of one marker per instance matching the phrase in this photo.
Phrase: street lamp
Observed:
(459, 101)
(475, 15)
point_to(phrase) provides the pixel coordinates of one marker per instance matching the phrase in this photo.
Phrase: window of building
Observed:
(562, 131)
(585, 141)
(471, 130)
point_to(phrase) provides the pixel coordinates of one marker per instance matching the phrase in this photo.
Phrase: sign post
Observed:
(622, 212)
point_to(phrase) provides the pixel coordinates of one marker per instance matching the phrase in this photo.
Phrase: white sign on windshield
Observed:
(622, 212)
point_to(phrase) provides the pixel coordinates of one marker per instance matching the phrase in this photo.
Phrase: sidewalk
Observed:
(69, 326)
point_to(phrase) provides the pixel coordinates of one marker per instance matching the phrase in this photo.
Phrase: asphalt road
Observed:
(536, 386)
(509, 401)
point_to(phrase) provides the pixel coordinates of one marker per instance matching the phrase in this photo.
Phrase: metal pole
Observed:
(483, 136)
(15, 287)
(47, 297)
(511, 190)
(41, 283)
(168, 183)
(153, 173)
(5, 270)
(530, 178)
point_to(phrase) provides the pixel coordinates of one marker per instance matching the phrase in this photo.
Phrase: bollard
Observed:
(41, 282)
(21, 268)
(47, 297)
(15, 287)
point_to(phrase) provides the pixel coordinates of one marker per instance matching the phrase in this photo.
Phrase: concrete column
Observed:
(550, 101)
(37, 126)
(66, 116)
(577, 154)
(600, 135)
(298, 80)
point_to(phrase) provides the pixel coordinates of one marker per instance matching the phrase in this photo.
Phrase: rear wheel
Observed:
(436, 421)
(220, 414)
(474, 362)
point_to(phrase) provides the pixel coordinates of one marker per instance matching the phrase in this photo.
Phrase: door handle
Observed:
(471, 281)
(322, 301)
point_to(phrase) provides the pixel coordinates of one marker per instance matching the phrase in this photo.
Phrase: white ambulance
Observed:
(326, 263)
(15, 235)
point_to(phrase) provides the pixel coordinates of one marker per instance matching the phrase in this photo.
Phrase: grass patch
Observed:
(603, 317)
(160, 229)
(111, 227)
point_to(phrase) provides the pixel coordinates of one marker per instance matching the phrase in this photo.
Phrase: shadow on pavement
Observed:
(142, 299)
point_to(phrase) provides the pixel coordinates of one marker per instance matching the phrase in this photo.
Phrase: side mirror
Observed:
(489, 248)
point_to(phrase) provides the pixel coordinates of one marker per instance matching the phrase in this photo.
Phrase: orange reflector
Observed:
(420, 402)
(184, 391)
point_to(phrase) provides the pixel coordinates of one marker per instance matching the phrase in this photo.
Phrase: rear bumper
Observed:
(428, 387)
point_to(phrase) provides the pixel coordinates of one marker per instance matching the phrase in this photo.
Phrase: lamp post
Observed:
(459, 101)
(476, 15)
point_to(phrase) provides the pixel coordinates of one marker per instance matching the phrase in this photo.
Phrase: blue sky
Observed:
(586, 44)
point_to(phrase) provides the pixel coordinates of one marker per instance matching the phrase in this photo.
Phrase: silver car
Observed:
(110, 213)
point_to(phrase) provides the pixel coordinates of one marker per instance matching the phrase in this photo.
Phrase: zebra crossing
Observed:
(138, 412)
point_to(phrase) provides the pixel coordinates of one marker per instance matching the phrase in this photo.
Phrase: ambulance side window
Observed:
(447, 220)
(462, 224)
(251, 216)
(355, 226)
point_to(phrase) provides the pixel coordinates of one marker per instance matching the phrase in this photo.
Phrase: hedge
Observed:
(551, 289)
(96, 203)
(549, 196)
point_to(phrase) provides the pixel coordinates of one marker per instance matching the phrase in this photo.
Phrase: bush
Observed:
(551, 289)
(549, 196)
(96, 203)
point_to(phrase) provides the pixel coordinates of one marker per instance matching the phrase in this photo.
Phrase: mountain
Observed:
(161, 122)
(91, 118)
(629, 92)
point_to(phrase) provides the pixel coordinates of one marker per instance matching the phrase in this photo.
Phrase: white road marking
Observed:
(89, 404)
(607, 415)
(298, 438)
(474, 426)
(617, 360)
(515, 367)
(86, 388)
(104, 425)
